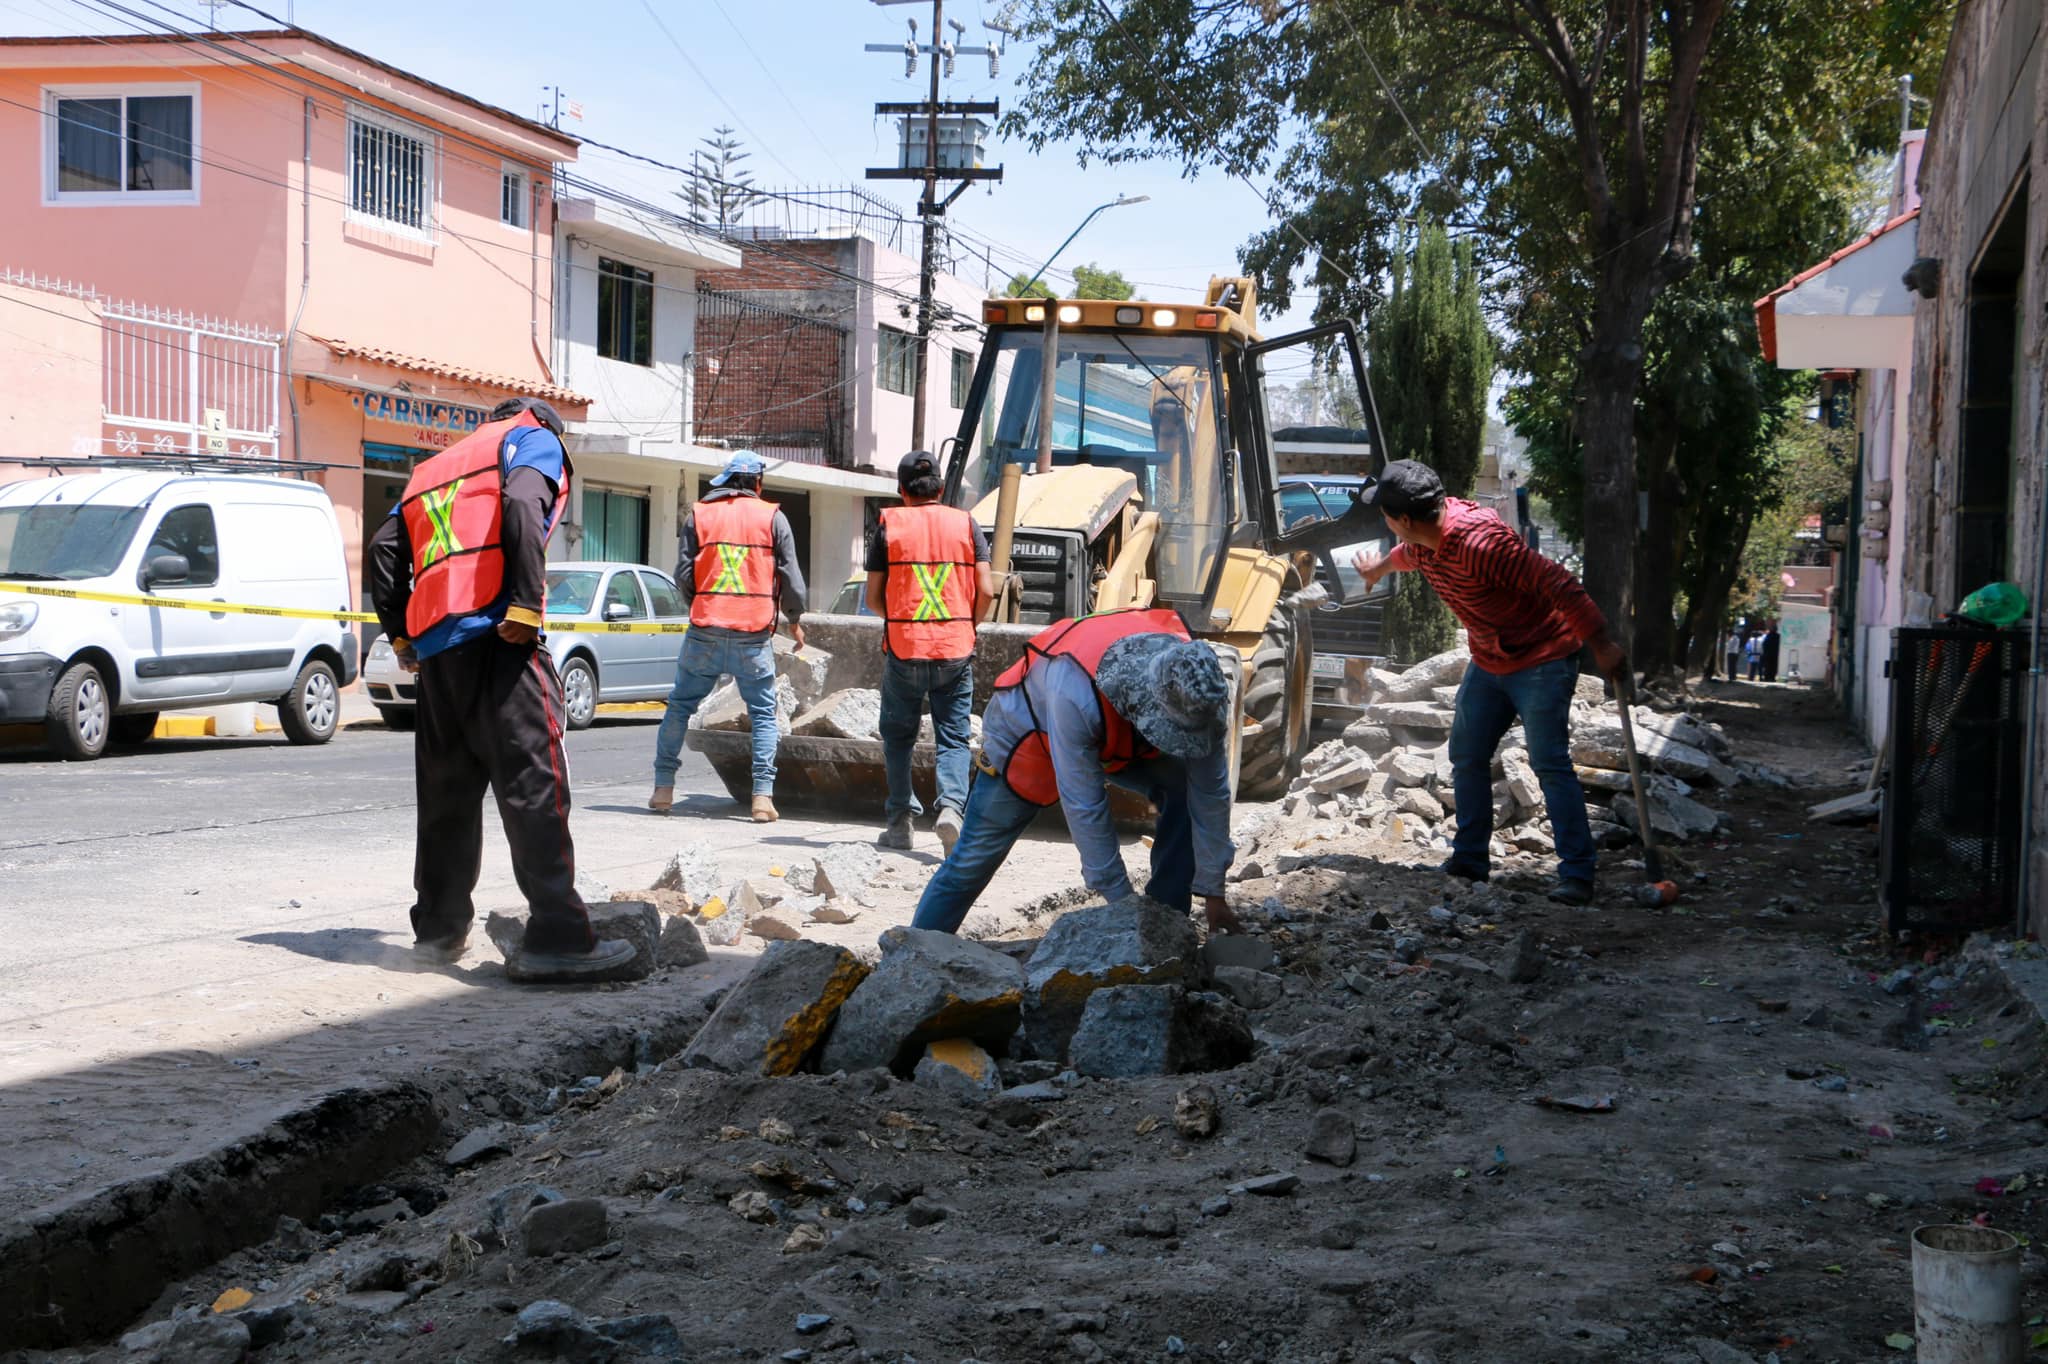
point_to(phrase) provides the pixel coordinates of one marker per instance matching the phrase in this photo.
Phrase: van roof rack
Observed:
(186, 464)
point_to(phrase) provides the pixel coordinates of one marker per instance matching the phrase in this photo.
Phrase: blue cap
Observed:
(743, 464)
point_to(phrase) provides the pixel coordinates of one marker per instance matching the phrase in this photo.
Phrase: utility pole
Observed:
(930, 207)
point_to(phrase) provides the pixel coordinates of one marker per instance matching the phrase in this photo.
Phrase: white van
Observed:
(98, 672)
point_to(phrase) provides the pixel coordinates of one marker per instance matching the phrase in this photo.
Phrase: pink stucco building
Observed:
(331, 260)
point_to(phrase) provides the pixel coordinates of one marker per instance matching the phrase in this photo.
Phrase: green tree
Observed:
(720, 189)
(1090, 281)
(1568, 135)
(1432, 364)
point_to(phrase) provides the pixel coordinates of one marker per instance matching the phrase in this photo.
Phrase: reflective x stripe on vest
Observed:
(734, 573)
(1029, 770)
(454, 514)
(929, 590)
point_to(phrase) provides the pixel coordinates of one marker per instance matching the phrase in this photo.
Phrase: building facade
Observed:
(383, 246)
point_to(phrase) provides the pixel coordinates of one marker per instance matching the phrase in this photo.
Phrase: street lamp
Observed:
(1117, 202)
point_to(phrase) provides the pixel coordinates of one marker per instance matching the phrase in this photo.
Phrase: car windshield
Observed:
(54, 540)
(570, 591)
(1150, 405)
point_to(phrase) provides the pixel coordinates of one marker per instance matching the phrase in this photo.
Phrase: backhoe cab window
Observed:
(1151, 406)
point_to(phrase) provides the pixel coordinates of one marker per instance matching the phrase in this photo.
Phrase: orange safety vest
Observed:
(735, 569)
(454, 512)
(1029, 771)
(929, 594)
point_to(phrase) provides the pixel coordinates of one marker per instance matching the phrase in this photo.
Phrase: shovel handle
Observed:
(1624, 697)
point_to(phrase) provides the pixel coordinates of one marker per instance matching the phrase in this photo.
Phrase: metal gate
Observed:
(177, 384)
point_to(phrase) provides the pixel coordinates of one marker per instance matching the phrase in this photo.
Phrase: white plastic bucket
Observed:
(1966, 1296)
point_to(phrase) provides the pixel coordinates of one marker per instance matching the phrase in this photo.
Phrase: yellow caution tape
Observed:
(565, 624)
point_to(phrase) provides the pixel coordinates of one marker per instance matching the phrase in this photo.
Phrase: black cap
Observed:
(1404, 488)
(543, 412)
(915, 465)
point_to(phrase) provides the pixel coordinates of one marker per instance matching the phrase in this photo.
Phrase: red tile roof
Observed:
(1767, 306)
(506, 383)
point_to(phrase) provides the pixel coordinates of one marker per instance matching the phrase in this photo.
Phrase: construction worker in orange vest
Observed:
(1123, 698)
(458, 575)
(929, 581)
(738, 558)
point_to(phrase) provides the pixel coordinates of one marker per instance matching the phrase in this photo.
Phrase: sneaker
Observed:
(764, 810)
(897, 835)
(948, 828)
(608, 955)
(1463, 871)
(1570, 891)
(443, 952)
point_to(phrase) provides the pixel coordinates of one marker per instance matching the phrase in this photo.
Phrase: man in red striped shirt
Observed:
(1525, 618)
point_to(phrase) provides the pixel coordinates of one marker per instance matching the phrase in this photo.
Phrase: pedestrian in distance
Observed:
(1733, 648)
(1526, 618)
(738, 560)
(929, 581)
(1773, 644)
(1124, 698)
(458, 576)
(1753, 654)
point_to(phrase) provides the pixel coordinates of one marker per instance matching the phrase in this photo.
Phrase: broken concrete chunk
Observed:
(1369, 737)
(1237, 949)
(1136, 941)
(1128, 1030)
(770, 1021)
(927, 986)
(1420, 803)
(1422, 680)
(719, 925)
(1410, 769)
(805, 671)
(633, 921)
(570, 1225)
(694, 872)
(1197, 1112)
(832, 912)
(1399, 715)
(1601, 744)
(841, 871)
(1332, 1137)
(592, 889)
(1251, 989)
(1522, 782)
(773, 928)
(725, 709)
(1346, 776)
(681, 943)
(484, 1143)
(855, 713)
(1672, 815)
(955, 1066)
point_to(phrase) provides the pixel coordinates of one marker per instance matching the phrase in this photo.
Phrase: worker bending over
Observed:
(929, 581)
(1126, 698)
(1526, 618)
(738, 555)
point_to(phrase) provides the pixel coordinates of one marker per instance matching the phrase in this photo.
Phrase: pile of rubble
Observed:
(804, 708)
(1112, 991)
(1391, 773)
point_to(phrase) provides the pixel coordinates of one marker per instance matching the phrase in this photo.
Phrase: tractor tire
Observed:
(1280, 696)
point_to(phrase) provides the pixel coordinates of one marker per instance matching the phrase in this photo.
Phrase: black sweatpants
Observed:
(491, 716)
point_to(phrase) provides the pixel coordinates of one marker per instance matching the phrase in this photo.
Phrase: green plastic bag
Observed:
(1997, 604)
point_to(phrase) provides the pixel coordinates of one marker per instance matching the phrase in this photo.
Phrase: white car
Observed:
(597, 667)
(95, 672)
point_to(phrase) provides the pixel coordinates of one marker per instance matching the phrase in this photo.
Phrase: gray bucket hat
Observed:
(1171, 690)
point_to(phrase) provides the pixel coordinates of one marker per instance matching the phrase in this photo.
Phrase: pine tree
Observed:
(720, 190)
(1432, 364)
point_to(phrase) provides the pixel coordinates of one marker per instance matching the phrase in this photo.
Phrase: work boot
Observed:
(1571, 891)
(443, 951)
(897, 835)
(948, 828)
(764, 810)
(608, 955)
(1464, 871)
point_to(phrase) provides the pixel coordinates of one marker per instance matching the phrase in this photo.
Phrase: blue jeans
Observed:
(704, 660)
(906, 684)
(996, 816)
(1487, 705)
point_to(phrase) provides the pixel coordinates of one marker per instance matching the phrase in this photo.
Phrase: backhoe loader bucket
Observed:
(847, 775)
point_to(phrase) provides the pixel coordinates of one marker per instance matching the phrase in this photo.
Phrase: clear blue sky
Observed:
(792, 78)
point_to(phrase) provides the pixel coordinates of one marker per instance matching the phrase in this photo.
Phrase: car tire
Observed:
(399, 717)
(81, 714)
(579, 692)
(311, 711)
(138, 727)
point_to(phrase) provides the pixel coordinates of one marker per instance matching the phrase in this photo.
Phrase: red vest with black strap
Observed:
(1029, 771)
(735, 567)
(929, 592)
(454, 512)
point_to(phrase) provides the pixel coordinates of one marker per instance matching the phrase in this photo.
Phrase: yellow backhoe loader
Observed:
(1135, 470)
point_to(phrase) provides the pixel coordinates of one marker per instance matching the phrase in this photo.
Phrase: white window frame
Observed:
(513, 170)
(86, 198)
(430, 173)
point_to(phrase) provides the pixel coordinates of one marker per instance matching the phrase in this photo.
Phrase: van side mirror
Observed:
(166, 568)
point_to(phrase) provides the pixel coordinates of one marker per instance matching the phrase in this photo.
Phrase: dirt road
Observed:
(1746, 1125)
